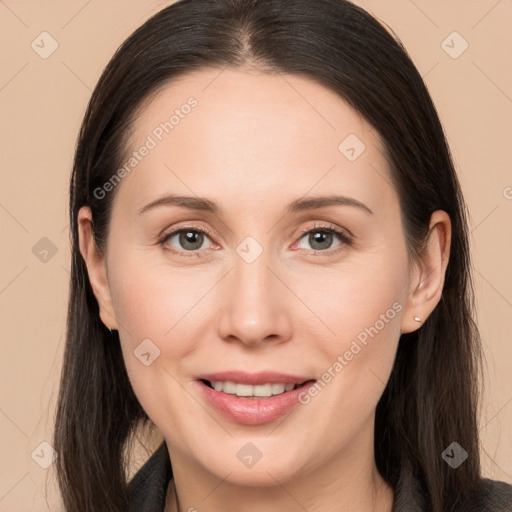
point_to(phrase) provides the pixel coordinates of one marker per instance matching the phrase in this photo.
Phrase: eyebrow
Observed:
(299, 205)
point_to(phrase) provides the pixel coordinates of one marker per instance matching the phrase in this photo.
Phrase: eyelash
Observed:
(346, 240)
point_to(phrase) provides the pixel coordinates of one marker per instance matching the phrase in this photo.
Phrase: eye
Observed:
(188, 239)
(321, 238)
(191, 239)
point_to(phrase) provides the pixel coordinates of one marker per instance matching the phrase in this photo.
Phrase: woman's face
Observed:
(267, 287)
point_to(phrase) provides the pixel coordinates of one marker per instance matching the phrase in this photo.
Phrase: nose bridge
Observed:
(253, 307)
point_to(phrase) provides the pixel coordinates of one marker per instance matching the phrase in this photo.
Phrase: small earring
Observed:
(418, 319)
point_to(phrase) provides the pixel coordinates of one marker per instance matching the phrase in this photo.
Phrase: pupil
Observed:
(191, 237)
(319, 237)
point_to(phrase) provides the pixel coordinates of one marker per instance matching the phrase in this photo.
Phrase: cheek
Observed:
(363, 310)
(360, 300)
(158, 315)
(338, 328)
(167, 314)
(152, 300)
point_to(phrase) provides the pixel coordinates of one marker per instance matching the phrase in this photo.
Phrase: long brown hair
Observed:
(432, 395)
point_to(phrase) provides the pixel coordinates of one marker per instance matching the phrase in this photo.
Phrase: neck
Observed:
(347, 481)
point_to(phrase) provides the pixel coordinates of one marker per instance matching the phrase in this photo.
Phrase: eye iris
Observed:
(320, 237)
(193, 237)
(196, 238)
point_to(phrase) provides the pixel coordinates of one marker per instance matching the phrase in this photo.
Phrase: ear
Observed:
(96, 267)
(428, 273)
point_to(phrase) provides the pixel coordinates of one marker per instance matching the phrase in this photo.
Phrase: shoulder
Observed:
(490, 496)
(493, 496)
(148, 488)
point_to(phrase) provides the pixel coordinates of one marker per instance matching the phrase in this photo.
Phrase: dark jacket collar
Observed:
(148, 489)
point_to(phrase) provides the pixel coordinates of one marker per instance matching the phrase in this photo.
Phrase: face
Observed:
(264, 279)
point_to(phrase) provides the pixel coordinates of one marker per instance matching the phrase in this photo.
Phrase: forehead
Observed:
(212, 129)
(246, 97)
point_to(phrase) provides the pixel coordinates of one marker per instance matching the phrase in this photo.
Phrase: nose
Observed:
(254, 305)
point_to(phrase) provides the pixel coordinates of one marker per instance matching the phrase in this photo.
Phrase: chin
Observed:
(261, 474)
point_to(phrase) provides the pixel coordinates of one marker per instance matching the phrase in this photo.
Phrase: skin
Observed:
(254, 140)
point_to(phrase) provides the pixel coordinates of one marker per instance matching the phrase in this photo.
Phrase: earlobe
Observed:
(96, 267)
(428, 275)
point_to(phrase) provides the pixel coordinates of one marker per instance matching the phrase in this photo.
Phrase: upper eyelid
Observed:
(302, 232)
(344, 234)
(329, 227)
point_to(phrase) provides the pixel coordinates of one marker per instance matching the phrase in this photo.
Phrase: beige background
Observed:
(42, 103)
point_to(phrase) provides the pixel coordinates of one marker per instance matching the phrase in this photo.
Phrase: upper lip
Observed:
(254, 379)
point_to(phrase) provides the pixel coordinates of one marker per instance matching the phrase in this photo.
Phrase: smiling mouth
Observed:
(253, 392)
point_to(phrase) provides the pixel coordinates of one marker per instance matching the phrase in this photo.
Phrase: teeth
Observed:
(262, 390)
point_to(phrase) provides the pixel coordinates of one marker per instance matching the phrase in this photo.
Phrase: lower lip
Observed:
(253, 411)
